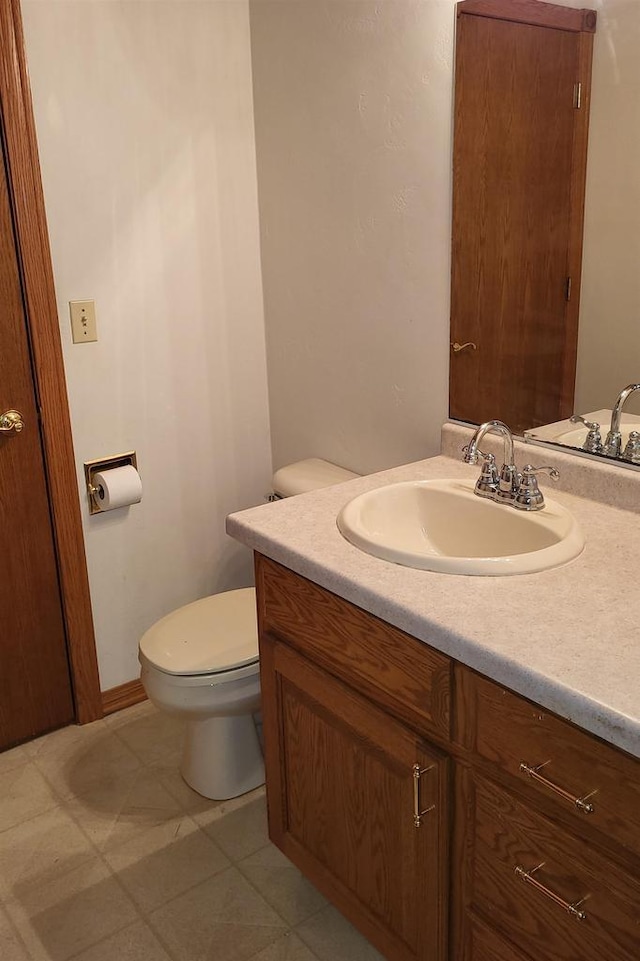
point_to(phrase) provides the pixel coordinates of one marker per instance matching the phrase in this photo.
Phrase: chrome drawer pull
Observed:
(572, 909)
(581, 803)
(417, 772)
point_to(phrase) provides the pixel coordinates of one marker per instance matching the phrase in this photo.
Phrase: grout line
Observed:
(96, 944)
(291, 927)
(14, 928)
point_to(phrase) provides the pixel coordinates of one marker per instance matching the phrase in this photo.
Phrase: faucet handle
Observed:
(489, 480)
(529, 496)
(530, 471)
(632, 450)
(579, 419)
(593, 441)
(471, 454)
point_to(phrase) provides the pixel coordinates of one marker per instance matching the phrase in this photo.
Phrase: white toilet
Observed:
(200, 662)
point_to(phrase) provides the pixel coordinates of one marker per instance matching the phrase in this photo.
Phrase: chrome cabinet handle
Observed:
(417, 772)
(11, 420)
(581, 803)
(571, 908)
(458, 347)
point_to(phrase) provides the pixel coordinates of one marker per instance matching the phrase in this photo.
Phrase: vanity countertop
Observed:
(567, 638)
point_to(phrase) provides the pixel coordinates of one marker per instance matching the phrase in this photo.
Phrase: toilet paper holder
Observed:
(92, 467)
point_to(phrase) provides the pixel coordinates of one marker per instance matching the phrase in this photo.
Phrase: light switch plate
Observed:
(83, 321)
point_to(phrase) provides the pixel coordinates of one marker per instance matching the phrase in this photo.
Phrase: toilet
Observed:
(200, 663)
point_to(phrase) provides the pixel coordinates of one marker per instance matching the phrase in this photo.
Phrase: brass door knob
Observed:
(11, 420)
(458, 347)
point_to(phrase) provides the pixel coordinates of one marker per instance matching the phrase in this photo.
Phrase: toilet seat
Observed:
(206, 639)
(200, 680)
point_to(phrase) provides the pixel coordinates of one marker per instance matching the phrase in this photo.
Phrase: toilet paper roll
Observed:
(117, 487)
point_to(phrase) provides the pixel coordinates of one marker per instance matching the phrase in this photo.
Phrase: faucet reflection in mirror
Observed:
(612, 446)
(613, 443)
(509, 486)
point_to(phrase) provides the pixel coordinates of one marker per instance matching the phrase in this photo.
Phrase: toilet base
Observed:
(222, 757)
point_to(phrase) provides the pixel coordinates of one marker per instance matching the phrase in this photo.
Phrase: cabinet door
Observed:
(342, 794)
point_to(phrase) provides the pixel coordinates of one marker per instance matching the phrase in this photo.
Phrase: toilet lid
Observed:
(217, 633)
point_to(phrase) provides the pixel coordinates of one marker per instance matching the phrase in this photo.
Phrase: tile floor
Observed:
(107, 855)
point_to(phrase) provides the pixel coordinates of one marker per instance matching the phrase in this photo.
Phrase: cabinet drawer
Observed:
(547, 891)
(597, 782)
(485, 945)
(391, 667)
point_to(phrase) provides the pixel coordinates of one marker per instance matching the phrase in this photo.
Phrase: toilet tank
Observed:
(308, 475)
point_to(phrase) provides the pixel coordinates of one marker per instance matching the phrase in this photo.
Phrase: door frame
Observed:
(34, 257)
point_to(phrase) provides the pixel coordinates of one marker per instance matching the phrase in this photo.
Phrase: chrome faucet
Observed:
(613, 443)
(593, 441)
(508, 480)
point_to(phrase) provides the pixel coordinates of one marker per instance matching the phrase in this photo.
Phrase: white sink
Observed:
(441, 525)
(574, 435)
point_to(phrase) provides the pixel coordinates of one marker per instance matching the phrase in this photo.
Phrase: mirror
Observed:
(608, 357)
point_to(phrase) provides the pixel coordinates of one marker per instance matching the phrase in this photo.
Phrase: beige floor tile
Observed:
(287, 948)
(135, 943)
(61, 740)
(167, 768)
(166, 861)
(332, 938)
(65, 916)
(149, 734)
(282, 885)
(223, 919)
(24, 793)
(114, 812)
(120, 718)
(11, 947)
(240, 831)
(40, 849)
(16, 757)
(77, 764)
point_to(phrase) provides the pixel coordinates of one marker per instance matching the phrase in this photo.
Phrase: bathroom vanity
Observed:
(454, 761)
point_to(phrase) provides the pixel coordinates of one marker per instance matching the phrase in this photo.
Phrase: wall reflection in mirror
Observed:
(608, 355)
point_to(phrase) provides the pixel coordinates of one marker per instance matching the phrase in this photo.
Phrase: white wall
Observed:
(609, 341)
(353, 105)
(145, 127)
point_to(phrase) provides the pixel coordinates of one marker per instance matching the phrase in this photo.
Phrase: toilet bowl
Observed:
(201, 663)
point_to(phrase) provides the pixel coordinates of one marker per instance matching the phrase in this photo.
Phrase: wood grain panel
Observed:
(123, 696)
(507, 730)
(38, 287)
(399, 672)
(35, 685)
(533, 12)
(518, 187)
(487, 946)
(509, 833)
(343, 810)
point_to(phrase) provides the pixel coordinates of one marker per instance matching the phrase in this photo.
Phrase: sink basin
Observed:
(574, 435)
(441, 525)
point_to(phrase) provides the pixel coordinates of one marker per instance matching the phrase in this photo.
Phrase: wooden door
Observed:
(518, 186)
(35, 686)
(340, 787)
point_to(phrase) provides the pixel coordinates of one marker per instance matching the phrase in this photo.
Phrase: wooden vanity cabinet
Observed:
(547, 833)
(358, 799)
(367, 729)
